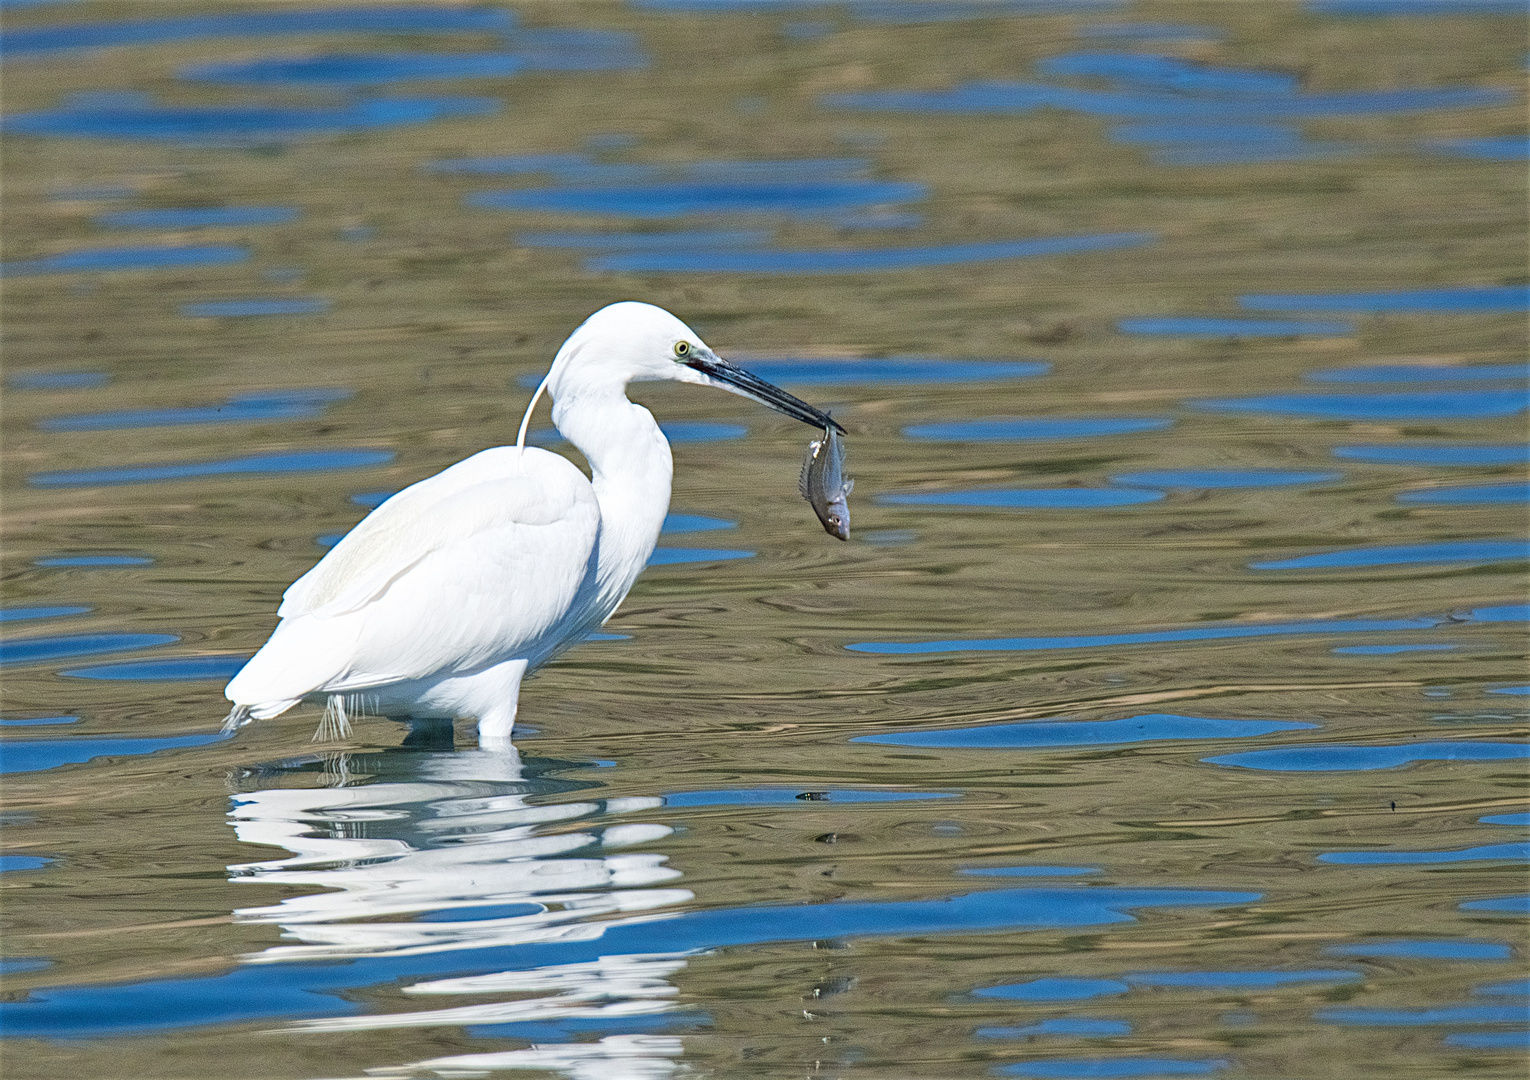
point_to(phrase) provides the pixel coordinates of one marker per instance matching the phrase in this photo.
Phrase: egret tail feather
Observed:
(237, 717)
(335, 726)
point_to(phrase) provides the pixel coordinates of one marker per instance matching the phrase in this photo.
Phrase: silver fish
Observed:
(823, 483)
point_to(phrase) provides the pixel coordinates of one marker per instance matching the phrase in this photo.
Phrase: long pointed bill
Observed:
(752, 386)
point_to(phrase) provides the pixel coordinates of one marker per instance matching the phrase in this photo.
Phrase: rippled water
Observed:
(1163, 717)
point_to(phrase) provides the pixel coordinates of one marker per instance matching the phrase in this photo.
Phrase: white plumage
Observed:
(441, 600)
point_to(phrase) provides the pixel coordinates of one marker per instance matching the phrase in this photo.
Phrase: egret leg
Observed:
(501, 688)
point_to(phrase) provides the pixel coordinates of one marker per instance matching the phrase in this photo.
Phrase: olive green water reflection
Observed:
(736, 691)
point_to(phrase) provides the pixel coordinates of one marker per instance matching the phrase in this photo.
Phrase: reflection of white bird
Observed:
(441, 600)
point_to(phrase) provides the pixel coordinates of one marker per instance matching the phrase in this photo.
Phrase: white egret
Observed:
(438, 603)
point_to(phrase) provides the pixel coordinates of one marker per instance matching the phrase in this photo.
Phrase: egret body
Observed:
(438, 603)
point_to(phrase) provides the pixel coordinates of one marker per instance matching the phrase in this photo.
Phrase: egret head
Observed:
(635, 342)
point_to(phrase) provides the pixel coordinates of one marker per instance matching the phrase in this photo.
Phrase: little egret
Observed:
(439, 601)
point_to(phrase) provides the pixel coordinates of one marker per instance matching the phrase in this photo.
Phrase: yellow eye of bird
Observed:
(682, 349)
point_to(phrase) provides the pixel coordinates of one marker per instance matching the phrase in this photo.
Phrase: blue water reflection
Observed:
(60, 561)
(1500, 613)
(1469, 495)
(1089, 1068)
(674, 556)
(1491, 1040)
(1193, 326)
(11, 864)
(893, 371)
(238, 125)
(296, 461)
(17, 756)
(858, 261)
(1152, 72)
(1506, 819)
(1505, 148)
(40, 721)
(204, 217)
(1078, 1026)
(1487, 298)
(1452, 551)
(1214, 632)
(1451, 1014)
(687, 523)
(1076, 498)
(1394, 8)
(1040, 733)
(692, 179)
(399, 19)
(265, 405)
(266, 991)
(377, 69)
(1363, 758)
(243, 309)
(1436, 454)
(57, 380)
(171, 669)
(1434, 405)
(1501, 905)
(1239, 980)
(1458, 949)
(510, 164)
(127, 258)
(665, 200)
(658, 241)
(36, 650)
(1411, 373)
(1389, 650)
(27, 614)
(1507, 988)
(1055, 989)
(1488, 852)
(1223, 478)
(695, 431)
(1022, 429)
(1516, 691)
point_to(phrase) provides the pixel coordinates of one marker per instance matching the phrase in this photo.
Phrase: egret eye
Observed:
(682, 349)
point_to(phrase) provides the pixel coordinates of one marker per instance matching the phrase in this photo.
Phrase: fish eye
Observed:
(682, 349)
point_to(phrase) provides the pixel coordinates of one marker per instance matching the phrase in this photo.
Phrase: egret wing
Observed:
(467, 568)
(432, 514)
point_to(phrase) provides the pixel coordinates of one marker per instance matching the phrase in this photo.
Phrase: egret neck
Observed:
(631, 471)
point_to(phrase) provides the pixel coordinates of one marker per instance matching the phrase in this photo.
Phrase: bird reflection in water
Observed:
(442, 849)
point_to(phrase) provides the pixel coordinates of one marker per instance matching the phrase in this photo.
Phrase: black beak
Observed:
(768, 394)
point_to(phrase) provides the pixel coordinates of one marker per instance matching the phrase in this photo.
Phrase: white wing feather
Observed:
(472, 566)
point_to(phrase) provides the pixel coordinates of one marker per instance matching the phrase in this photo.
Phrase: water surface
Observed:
(1126, 737)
